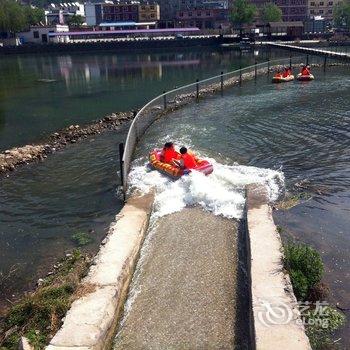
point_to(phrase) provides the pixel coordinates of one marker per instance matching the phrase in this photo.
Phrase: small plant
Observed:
(82, 238)
(321, 326)
(305, 268)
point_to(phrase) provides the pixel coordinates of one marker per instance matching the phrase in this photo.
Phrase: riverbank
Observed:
(18, 156)
(115, 46)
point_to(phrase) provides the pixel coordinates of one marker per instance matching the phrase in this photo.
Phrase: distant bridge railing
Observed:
(194, 92)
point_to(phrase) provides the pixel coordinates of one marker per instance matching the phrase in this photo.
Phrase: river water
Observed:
(279, 134)
(288, 137)
(40, 94)
(42, 206)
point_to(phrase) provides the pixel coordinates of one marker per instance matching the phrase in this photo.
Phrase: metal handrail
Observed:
(128, 142)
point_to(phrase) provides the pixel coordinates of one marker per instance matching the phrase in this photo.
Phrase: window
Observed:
(312, 3)
(321, 11)
(181, 14)
(330, 11)
(190, 14)
(330, 3)
(143, 8)
(321, 3)
(152, 7)
(36, 34)
(152, 15)
(312, 12)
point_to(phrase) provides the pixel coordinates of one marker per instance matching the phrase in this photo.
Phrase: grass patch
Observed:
(292, 200)
(38, 315)
(82, 238)
(305, 267)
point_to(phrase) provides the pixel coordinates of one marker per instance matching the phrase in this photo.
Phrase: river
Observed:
(298, 130)
(289, 137)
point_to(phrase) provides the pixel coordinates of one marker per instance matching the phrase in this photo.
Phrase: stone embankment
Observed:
(17, 156)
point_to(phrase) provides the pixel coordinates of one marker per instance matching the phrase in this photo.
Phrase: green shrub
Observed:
(299, 283)
(305, 267)
(82, 238)
(321, 326)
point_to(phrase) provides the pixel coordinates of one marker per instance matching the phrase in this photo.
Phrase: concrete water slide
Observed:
(187, 287)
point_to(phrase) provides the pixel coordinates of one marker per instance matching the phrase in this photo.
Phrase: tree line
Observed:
(15, 17)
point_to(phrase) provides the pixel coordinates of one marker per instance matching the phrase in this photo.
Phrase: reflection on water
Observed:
(40, 94)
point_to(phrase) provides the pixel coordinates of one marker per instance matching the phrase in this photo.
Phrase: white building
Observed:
(40, 34)
(60, 13)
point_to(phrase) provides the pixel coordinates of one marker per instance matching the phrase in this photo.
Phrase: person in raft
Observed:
(187, 160)
(287, 72)
(169, 153)
(305, 70)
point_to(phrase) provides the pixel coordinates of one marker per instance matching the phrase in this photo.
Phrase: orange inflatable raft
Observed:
(173, 171)
(277, 79)
(307, 77)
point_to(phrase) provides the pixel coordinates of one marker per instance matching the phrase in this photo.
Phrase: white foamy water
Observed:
(221, 192)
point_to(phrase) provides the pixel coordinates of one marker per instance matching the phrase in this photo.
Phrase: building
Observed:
(149, 12)
(120, 12)
(323, 8)
(293, 10)
(41, 34)
(203, 18)
(60, 13)
(292, 29)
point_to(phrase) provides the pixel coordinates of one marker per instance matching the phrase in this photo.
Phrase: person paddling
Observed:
(305, 70)
(169, 153)
(187, 160)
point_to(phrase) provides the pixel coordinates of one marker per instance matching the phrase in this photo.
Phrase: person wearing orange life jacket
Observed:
(187, 160)
(305, 70)
(169, 153)
(286, 72)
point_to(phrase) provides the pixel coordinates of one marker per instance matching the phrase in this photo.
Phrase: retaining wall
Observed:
(275, 320)
(92, 319)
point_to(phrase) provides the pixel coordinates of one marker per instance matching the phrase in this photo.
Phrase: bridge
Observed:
(312, 51)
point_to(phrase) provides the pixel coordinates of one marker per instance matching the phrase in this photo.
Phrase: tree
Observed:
(271, 13)
(242, 13)
(14, 17)
(76, 21)
(342, 14)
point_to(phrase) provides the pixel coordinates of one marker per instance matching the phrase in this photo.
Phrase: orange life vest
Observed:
(168, 155)
(189, 161)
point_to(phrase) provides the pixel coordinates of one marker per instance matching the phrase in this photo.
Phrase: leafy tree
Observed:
(242, 13)
(271, 13)
(342, 14)
(14, 17)
(75, 21)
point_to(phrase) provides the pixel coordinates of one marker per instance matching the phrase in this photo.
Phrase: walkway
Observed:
(312, 51)
(188, 287)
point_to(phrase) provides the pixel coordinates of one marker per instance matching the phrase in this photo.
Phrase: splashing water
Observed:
(221, 192)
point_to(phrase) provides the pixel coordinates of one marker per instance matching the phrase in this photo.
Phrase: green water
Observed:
(40, 94)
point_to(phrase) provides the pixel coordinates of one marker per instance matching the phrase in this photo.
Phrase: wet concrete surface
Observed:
(185, 289)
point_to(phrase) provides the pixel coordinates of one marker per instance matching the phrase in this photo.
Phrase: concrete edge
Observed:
(275, 317)
(92, 319)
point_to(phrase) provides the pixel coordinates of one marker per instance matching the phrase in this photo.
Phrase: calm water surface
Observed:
(85, 87)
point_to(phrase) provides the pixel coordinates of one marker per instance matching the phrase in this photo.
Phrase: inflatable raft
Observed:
(173, 171)
(308, 77)
(282, 79)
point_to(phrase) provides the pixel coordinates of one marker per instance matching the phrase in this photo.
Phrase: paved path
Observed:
(188, 286)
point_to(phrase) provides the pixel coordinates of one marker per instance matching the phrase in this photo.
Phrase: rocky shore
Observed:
(11, 159)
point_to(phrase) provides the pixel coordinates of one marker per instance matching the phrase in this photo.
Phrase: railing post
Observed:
(325, 63)
(307, 60)
(164, 100)
(290, 61)
(121, 167)
(222, 83)
(240, 75)
(268, 67)
(255, 70)
(197, 89)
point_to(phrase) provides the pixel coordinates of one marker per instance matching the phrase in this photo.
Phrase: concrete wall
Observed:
(92, 319)
(275, 320)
